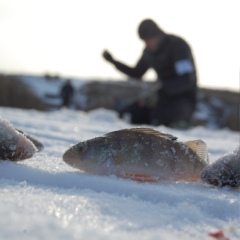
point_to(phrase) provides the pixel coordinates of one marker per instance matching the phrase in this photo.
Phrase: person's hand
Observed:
(108, 56)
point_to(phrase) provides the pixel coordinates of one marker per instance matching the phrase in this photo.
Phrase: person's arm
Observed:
(185, 70)
(134, 72)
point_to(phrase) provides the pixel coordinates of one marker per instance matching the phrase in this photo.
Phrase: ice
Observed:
(44, 198)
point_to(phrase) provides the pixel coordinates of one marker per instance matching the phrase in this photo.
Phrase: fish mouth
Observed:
(209, 176)
(70, 156)
(73, 156)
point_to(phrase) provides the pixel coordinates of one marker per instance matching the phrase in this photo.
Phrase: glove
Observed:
(108, 56)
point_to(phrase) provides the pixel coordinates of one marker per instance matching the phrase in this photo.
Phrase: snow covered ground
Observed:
(44, 198)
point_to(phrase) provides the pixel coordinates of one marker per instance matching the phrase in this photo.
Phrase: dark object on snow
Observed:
(14, 145)
(225, 171)
(67, 92)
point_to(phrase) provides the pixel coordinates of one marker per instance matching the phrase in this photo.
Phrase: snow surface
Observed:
(44, 198)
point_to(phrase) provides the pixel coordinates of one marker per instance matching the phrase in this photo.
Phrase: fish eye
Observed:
(82, 147)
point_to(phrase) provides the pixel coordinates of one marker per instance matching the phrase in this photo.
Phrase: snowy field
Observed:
(44, 198)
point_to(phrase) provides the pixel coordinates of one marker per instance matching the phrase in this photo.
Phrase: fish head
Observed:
(220, 176)
(14, 145)
(224, 171)
(75, 154)
(88, 156)
(210, 176)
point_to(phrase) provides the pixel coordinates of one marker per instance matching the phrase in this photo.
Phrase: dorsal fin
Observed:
(200, 148)
(149, 131)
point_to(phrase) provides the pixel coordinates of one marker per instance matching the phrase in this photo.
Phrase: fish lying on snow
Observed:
(141, 154)
(224, 171)
(14, 145)
(36, 143)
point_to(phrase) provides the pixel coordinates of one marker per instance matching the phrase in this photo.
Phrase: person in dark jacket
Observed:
(171, 57)
(67, 92)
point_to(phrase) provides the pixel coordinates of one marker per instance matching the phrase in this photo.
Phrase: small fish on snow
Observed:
(225, 171)
(141, 154)
(14, 145)
(37, 144)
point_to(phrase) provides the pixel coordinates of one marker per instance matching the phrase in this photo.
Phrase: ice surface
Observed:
(44, 198)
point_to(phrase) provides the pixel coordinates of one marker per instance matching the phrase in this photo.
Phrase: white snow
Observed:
(44, 198)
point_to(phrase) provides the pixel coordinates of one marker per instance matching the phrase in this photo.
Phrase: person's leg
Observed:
(173, 112)
(139, 113)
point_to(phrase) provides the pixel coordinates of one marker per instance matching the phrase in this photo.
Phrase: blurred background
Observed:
(67, 37)
(43, 43)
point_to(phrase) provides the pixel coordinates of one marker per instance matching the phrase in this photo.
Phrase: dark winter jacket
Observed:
(174, 65)
(67, 92)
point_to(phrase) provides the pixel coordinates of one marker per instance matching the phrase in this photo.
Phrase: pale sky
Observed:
(67, 37)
